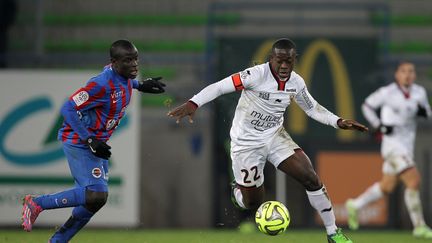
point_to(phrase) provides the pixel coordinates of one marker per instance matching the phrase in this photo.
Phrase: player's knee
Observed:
(387, 187)
(95, 200)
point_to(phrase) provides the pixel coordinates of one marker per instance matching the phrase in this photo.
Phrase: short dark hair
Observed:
(283, 43)
(402, 62)
(120, 44)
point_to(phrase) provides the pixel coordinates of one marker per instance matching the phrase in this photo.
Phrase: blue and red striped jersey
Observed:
(96, 109)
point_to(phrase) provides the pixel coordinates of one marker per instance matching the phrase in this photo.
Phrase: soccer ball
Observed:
(272, 218)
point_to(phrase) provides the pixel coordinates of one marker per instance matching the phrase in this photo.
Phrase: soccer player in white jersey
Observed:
(257, 133)
(401, 103)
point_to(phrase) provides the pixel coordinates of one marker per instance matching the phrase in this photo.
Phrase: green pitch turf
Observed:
(203, 236)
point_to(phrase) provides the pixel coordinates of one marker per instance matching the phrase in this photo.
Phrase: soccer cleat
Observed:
(353, 222)
(30, 212)
(233, 198)
(423, 232)
(338, 237)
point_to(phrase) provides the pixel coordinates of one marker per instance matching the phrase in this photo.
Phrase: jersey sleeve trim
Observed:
(237, 81)
(193, 103)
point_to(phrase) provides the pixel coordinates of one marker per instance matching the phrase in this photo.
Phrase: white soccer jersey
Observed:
(398, 109)
(260, 110)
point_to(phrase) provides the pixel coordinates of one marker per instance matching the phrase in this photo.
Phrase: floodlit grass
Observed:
(203, 236)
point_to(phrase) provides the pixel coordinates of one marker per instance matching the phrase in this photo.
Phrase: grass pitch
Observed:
(203, 236)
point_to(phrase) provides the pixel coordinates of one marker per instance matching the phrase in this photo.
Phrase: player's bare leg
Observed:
(300, 168)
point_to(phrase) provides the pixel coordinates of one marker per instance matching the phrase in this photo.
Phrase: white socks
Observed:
(371, 194)
(321, 202)
(413, 204)
(239, 197)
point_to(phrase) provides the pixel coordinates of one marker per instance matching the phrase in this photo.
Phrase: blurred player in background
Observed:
(258, 135)
(401, 102)
(91, 115)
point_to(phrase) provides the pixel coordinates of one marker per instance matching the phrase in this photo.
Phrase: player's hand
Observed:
(151, 85)
(187, 109)
(99, 148)
(421, 111)
(351, 125)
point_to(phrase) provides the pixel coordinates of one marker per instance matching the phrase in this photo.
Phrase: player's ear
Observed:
(114, 61)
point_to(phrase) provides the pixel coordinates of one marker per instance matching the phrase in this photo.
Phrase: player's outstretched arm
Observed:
(186, 109)
(351, 125)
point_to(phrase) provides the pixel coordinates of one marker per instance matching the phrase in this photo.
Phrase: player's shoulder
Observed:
(258, 69)
(418, 88)
(388, 88)
(103, 77)
(296, 79)
(252, 74)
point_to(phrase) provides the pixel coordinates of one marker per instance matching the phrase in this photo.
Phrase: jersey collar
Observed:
(281, 83)
(405, 91)
(118, 76)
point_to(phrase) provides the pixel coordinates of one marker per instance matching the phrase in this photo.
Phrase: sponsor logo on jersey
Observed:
(306, 99)
(264, 95)
(96, 172)
(291, 90)
(262, 122)
(110, 124)
(244, 74)
(116, 95)
(80, 98)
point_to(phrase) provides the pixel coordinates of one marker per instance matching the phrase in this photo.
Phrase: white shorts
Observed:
(248, 164)
(395, 164)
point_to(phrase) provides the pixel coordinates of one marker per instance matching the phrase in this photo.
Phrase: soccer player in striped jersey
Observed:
(91, 115)
(257, 132)
(401, 103)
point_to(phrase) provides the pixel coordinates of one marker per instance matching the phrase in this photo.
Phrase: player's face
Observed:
(127, 63)
(405, 74)
(282, 62)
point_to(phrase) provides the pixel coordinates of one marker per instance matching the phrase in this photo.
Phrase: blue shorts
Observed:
(85, 167)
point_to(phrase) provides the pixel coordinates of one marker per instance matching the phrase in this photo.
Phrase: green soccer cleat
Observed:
(338, 237)
(423, 232)
(353, 222)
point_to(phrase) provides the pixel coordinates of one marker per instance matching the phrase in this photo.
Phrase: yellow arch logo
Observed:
(297, 121)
